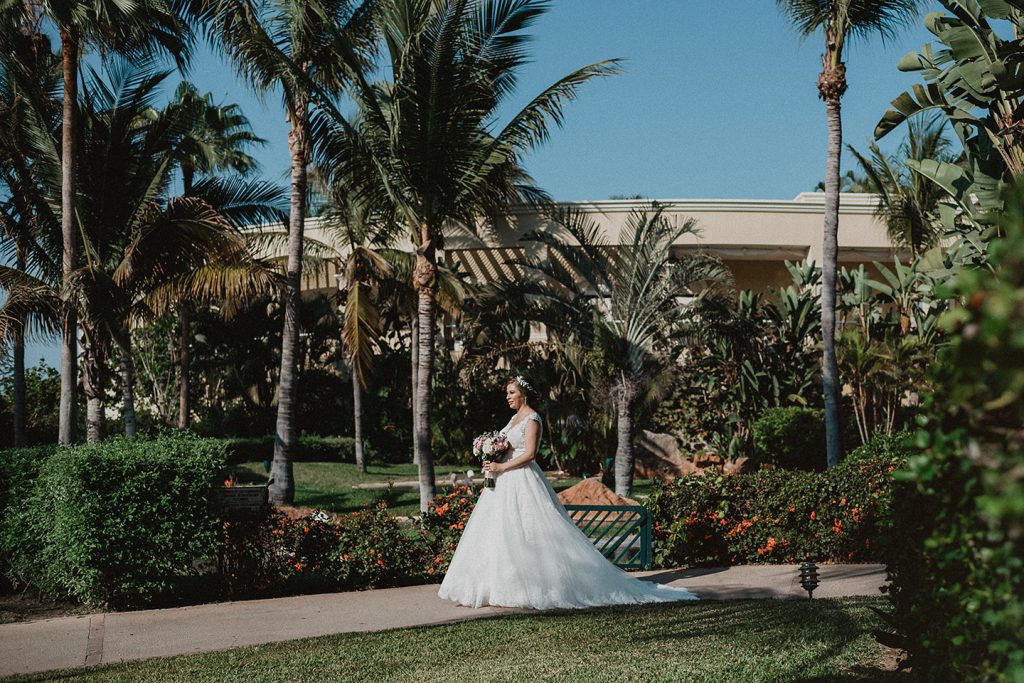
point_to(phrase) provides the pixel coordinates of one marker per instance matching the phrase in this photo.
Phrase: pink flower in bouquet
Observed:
(490, 446)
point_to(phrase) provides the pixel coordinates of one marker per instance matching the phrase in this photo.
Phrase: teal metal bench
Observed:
(621, 532)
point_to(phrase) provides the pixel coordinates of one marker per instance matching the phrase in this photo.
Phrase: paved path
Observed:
(68, 642)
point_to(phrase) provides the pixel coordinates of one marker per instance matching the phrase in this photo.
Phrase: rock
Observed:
(657, 456)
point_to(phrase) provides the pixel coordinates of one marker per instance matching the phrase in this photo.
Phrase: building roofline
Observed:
(805, 202)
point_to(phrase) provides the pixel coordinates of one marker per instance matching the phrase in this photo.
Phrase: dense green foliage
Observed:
(309, 449)
(790, 437)
(123, 523)
(774, 515)
(42, 393)
(957, 557)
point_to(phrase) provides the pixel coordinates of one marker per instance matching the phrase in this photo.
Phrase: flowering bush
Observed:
(321, 552)
(774, 515)
(443, 525)
(374, 551)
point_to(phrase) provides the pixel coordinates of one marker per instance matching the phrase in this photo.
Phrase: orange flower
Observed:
(842, 502)
(813, 516)
(792, 508)
(430, 570)
(229, 482)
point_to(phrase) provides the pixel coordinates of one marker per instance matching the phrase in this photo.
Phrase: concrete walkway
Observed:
(110, 637)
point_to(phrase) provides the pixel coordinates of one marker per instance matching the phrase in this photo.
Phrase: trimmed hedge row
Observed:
(310, 449)
(124, 523)
(136, 523)
(775, 515)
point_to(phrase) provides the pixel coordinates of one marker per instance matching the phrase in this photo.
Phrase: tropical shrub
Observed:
(318, 552)
(122, 523)
(791, 437)
(774, 515)
(751, 354)
(443, 524)
(956, 561)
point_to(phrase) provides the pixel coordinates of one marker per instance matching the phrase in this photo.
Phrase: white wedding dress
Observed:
(521, 549)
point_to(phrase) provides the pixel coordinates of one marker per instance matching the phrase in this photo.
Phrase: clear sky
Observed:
(718, 100)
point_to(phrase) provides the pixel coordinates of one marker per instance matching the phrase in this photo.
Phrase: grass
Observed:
(753, 640)
(329, 485)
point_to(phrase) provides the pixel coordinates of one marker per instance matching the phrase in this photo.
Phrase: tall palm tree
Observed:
(294, 47)
(428, 143)
(909, 201)
(838, 20)
(622, 301)
(29, 79)
(213, 138)
(139, 29)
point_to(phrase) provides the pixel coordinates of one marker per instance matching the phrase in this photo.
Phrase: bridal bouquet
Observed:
(490, 446)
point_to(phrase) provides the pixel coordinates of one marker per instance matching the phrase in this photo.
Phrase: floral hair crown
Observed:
(521, 381)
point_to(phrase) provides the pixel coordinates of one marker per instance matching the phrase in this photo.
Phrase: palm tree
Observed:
(620, 302)
(294, 47)
(136, 28)
(143, 252)
(908, 201)
(355, 234)
(29, 78)
(214, 138)
(838, 20)
(428, 145)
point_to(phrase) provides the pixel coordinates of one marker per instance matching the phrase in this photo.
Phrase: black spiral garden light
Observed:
(809, 578)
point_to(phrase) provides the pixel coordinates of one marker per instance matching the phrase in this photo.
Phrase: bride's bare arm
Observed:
(532, 436)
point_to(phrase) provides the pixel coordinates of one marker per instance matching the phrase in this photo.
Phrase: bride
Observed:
(521, 549)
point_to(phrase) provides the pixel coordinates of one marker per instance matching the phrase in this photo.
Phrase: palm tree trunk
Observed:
(357, 414)
(415, 355)
(69, 319)
(624, 454)
(830, 256)
(184, 383)
(127, 366)
(94, 382)
(421, 397)
(282, 483)
(18, 361)
(184, 364)
(18, 357)
(425, 281)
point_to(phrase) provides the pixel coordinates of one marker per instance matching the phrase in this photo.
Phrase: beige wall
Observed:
(753, 237)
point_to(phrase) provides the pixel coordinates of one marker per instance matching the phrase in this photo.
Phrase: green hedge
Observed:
(123, 523)
(790, 437)
(774, 515)
(956, 561)
(310, 449)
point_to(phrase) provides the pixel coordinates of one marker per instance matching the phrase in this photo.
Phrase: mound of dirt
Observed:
(592, 492)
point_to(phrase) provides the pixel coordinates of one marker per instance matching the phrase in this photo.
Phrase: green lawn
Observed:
(755, 640)
(329, 485)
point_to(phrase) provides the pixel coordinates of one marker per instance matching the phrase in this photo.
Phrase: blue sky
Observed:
(718, 100)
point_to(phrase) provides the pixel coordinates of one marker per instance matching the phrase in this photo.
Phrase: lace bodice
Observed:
(517, 434)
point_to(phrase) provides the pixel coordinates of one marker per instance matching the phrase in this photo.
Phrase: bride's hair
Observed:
(525, 385)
